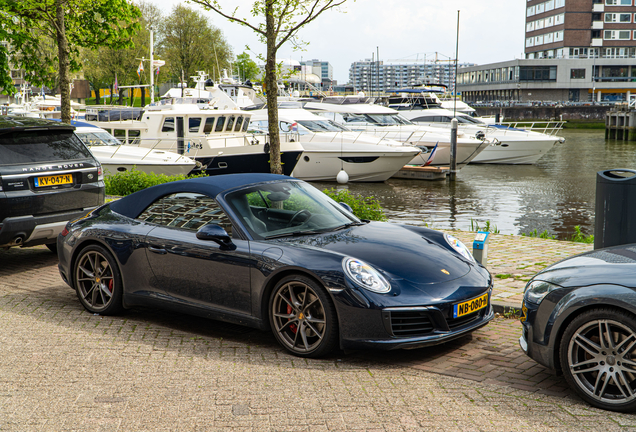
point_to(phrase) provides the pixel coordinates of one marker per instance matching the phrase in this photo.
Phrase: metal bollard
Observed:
(480, 247)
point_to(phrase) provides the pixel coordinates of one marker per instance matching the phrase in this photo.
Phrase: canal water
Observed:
(556, 194)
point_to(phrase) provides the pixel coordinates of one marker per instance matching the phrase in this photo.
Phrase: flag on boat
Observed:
(115, 86)
(431, 156)
(140, 69)
(294, 127)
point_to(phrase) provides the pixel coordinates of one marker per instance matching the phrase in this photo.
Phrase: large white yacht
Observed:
(330, 148)
(116, 157)
(389, 124)
(515, 146)
(216, 138)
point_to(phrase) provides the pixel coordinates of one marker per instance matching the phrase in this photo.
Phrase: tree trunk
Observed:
(97, 99)
(271, 86)
(64, 62)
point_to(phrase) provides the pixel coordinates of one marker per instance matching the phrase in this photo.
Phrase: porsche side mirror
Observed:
(346, 206)
(216, 234)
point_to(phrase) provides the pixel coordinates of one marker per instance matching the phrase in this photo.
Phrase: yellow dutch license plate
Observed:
(470, 306)
(54, 180)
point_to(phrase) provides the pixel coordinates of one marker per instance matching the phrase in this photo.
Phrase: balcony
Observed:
(598, 7)
(597, 42)
(597, 25)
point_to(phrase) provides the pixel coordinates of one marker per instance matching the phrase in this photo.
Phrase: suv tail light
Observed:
(64, 232)
(100, 173)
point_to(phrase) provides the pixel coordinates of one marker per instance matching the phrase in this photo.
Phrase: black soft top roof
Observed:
(132, 205)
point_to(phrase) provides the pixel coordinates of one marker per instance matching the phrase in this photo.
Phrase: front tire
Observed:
(303, 317)
(598, 358)
(97, 281)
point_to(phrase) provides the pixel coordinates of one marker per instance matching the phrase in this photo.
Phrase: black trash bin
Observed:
(615, 220)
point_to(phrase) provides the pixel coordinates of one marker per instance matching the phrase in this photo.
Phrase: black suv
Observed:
(47, 177)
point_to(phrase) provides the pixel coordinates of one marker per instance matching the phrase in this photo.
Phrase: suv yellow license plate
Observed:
(54, 180)
(470, 306)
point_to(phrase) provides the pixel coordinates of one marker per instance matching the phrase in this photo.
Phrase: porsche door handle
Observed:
(157, 250)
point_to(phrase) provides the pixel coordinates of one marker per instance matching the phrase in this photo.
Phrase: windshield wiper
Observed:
(349, 225)
(296, 233)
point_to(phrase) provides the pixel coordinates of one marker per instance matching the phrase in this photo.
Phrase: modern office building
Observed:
(320, 68)
(575, 50)
(376, 77)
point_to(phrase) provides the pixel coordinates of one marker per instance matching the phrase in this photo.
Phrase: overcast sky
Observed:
(490, 31)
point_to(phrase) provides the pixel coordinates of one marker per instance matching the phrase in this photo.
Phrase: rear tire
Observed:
(303, 317)
(598, 358)
(97, 281)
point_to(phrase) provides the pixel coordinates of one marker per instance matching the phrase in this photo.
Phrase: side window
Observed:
(209, 124)
(219, 124)
(189, 211)
(168, 125)
(237, 126)
(246, 124)
(230, 123)
(194, 123)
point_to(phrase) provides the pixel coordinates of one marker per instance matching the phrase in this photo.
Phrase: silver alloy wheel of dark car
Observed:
(303, 317)
(97, 280)
(598, 357)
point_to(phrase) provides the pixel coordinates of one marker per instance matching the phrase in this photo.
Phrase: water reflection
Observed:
(556, 194)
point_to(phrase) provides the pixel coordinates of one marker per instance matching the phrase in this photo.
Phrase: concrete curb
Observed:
(506, 308)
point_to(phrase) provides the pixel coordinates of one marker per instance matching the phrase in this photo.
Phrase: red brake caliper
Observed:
(292, 327)
(110, 285)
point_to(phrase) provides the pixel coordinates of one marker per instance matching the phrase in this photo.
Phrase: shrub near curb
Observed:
(364, 208)
(127, 182)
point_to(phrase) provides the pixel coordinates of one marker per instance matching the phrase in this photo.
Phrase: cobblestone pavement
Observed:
(62, 368)
(513, 260)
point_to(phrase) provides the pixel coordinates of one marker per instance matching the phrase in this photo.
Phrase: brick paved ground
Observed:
(62, 368)
(513, 260)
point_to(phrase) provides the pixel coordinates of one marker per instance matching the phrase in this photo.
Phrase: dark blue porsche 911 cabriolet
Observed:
(273, 252)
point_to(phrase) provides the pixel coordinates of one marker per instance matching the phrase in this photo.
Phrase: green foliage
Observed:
(487, 227)
(503, 276)
(580, 237)
(127, 182)
(27, 25)
(246, 67)
(543, 235)
(364, 208)
(189, 43)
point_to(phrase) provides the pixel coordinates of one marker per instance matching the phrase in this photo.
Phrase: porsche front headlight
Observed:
(537, 290)
(459, 247)
(365, 276)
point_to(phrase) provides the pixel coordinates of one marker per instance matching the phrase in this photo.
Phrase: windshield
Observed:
(379, 119)
(98, 139)
(469, 119)
(322, 126)
(287, 208)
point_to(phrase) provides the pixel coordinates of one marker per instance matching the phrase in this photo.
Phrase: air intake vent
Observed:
(410, 323)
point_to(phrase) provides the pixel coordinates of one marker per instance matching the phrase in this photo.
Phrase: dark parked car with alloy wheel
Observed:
(273, 252)
(579, 318)
(47, 177)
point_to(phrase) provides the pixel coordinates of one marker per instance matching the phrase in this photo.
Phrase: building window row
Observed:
(546, 38)
(618, 2)
(618, 34)
(545, 22)
(545, 7)
(618, 18)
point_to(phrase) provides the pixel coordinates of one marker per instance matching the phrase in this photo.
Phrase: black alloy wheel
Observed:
(598, 358)
(303, 317)
(97, 281)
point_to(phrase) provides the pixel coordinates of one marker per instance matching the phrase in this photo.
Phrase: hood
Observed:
(394, 250)
(616, 265)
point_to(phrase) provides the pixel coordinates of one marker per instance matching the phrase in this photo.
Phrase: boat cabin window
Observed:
(354, 118)
(246, 124)
(230, 123)
(168, 125)
(194, 123)
(432, 119)
(133, 135)
(219, 124)
(209, 124)
(239, 123)
(321, 126)
(120, 134)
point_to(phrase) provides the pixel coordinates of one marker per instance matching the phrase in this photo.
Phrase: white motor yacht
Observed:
(515, 146)
(216, 138)
(330, 148)
(389, 124)
(116, 157)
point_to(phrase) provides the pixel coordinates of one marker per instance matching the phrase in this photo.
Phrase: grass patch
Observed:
(503, 276)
